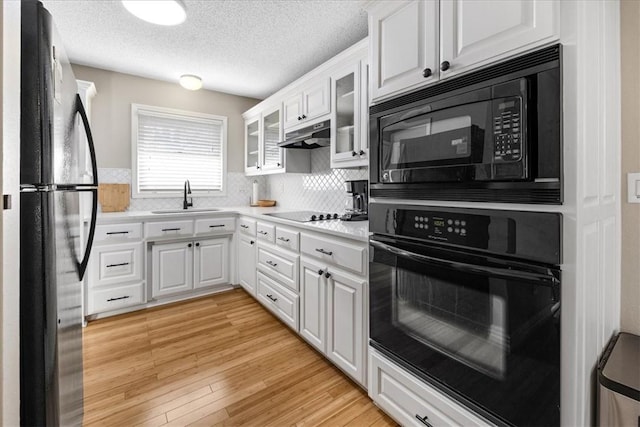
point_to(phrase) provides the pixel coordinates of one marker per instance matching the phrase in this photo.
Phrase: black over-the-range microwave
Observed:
(493, 135)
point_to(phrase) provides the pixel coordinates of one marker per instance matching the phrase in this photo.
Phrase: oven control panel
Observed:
(507, 129)
(535, 236)
(452, 228)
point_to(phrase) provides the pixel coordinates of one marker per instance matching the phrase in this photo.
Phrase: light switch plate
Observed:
(633, 187)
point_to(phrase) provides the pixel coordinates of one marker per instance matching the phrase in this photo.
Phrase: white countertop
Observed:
(356, 230)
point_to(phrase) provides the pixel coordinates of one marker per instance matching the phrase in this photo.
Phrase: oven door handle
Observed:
(501, 273)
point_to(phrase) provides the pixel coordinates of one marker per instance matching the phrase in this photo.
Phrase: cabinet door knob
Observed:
(279, 165)
(299, 118)
(197, 244)
(257, 167)
(304, 117)
(445, 66)
(427, 73)
(320, 272)
(189, 245)
(353, 153)
(251, 242)
(327, 274)
(361, 152)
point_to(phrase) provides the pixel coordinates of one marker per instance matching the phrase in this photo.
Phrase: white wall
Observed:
(11, 218)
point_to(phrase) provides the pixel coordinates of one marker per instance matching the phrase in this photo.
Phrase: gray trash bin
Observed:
(619, 382)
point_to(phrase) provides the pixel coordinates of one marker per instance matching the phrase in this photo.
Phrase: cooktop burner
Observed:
(305, 216)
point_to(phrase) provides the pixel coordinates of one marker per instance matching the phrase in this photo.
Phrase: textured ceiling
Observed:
(244, 47)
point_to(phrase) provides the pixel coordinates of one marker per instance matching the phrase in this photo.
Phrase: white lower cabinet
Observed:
(332, 315)
(185, 266)
(282, 302)
(115, 297)
(172, 265)
(247, 263)
(211, 262)
(411, 401)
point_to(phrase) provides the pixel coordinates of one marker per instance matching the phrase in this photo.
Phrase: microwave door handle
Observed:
(470, 268)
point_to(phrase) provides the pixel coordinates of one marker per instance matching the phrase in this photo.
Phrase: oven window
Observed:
(452, 136)
(463, 322)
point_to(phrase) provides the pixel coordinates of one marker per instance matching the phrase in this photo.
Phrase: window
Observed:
(171, 146)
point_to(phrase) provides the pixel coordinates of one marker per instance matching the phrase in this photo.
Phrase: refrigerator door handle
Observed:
(82, 268)
(87, 129)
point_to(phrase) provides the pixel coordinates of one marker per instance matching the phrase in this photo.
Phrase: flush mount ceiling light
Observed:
(162, 12)
(191, 82)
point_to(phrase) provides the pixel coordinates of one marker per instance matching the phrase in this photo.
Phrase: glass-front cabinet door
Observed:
(272, 156)
(346, 134)
(252, 148)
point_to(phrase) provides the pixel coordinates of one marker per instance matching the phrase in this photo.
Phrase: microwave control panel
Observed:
(507, 129)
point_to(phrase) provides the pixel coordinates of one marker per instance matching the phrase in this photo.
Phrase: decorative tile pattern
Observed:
(322, 189)
(238, 192)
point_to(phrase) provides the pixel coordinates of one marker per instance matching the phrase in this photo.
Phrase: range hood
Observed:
(313, 136)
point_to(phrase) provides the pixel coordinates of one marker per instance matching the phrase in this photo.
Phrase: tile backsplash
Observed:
(238, 192)
(322, 189)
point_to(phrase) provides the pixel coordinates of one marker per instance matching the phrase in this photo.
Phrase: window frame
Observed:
(135, 193)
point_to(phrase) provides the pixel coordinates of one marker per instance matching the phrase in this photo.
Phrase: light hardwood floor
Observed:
(218, 360)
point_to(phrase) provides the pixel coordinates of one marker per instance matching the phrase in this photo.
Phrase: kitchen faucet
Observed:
(187, 190)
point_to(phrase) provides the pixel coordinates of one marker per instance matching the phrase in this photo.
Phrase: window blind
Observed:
(172, 148)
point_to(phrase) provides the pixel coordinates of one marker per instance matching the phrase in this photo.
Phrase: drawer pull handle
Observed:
(244, 226)
(117, 265)
(116, 232)
(264, 233)
(272, 298)
(423, 420)
(216, 226)
(322, 251)
(271, 263)
(171, 229)
(118, 298)
(284, 239)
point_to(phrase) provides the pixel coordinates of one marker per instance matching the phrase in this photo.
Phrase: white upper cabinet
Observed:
(263, 132)
(417, 42)
(311, 102)
(404, 45)
(252, 133)
(272, 157)
(506, 27)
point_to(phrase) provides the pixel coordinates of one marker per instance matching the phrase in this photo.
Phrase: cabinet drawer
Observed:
(405, 397)
(215, 225)
(343, 254)
(168, 229)
(266, 232)
(116, 264)
(115, 297)
(114, 233)
(288, 239)
(247, 226)
(281, 266)
(281, 302)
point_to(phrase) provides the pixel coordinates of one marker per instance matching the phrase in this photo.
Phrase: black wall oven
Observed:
(469, 300)
(492, 135)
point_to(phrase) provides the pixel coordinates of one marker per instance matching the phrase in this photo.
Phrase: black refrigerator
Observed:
(57, 182)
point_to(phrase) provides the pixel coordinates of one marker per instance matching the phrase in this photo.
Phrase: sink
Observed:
(185, 211)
